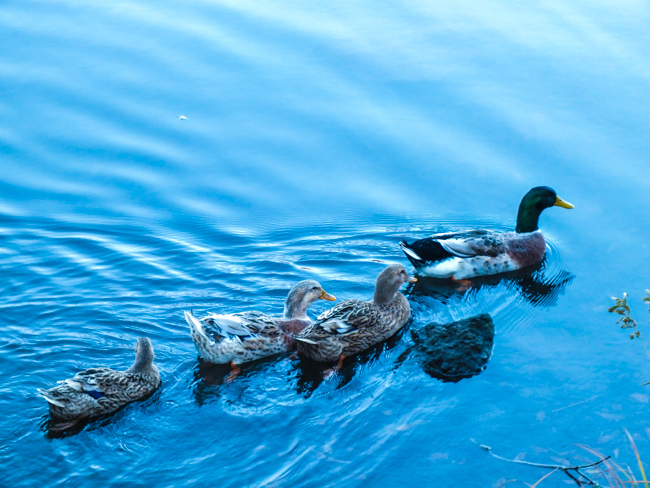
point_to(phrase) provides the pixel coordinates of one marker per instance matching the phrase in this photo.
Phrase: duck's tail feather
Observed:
(412, 256)
(46, 394)
(197, 327)
(426, 251)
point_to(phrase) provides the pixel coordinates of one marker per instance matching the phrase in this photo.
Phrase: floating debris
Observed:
(182, 117)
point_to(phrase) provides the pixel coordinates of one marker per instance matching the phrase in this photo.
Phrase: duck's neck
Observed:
(527, 218)
(293, 310)
(142, 365)
(384, 295)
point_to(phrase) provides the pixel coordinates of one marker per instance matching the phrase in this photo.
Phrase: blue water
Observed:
(313, 139)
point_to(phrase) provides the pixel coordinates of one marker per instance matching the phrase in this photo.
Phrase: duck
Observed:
(101, 391)
(354, 325)
(463, 255)
(246, 336)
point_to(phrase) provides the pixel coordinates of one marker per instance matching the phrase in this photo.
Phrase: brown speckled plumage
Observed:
(246, 336)
(101, 391)
(355, 325)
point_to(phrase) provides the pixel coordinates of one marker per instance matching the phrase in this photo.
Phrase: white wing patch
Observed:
(76, 385)
(231, 323)
(308, 341)
(337, 326)
(461, 268)
(458, 248)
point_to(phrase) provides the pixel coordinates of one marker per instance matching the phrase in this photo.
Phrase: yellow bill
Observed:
(561, 203)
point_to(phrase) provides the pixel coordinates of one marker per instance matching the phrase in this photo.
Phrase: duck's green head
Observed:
(532, 205)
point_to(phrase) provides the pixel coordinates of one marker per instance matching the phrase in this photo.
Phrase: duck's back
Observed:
(241, 337)
(352, 326)
(99, 391)
(475, 253)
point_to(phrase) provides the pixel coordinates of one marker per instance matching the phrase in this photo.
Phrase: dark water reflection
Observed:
(539, 286)
(305, 374)
(316, 138)
(453, 351)
(55, 429)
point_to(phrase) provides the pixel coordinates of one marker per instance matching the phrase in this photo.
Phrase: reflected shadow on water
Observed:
(209, 377)
(308, 374)
(538, 285)
(454, 351)
(59, 430)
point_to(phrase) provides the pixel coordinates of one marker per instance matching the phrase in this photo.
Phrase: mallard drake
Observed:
(460, 255)
(102, 391)
(354, 325)
(241, 337)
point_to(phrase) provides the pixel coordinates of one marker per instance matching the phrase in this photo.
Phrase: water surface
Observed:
(315, 138)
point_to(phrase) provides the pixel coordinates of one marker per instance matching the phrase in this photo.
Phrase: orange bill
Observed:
(327, 296)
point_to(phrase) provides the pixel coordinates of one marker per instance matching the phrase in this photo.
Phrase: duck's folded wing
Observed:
(337, 327)
(230, 323)
(96, 381)
(122, 384)
(340, 311)
(347, 317)
(242, 325)
(458, 248)
(466, 234)
(472, 243)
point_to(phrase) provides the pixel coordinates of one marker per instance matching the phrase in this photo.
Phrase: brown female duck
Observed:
(246, 336)
(102, 391)
(355, 325)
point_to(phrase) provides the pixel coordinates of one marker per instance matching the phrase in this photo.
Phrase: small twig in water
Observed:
(542, 478)
(555, 467)
(575, 404)
(505, 483)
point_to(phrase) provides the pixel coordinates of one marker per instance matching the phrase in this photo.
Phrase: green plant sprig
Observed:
(626, 321)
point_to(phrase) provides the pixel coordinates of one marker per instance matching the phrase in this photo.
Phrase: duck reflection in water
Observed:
(538, 285)
(54, 429)
(454, 351)
(311, 374)
(209, 378)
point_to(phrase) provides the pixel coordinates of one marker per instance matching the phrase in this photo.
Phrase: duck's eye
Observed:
(314, 288)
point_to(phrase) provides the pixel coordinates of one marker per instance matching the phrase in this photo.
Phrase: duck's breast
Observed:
(527, 249)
